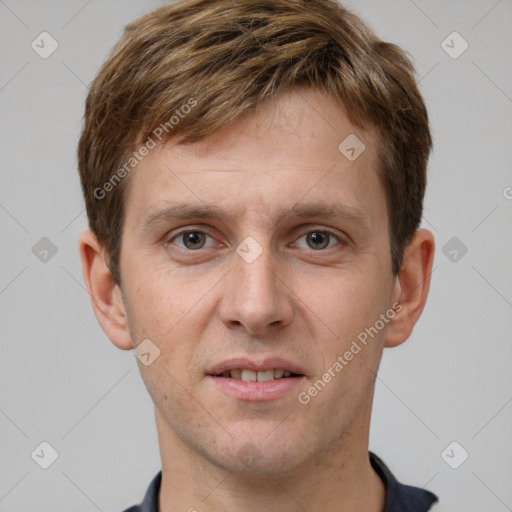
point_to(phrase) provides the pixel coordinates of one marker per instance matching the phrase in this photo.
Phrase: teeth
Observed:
(252, 376)
(265, 376)
(248, 376)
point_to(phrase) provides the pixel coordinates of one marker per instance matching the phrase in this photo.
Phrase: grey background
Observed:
(63, 382)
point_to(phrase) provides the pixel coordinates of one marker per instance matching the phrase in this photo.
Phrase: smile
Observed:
(253, 376)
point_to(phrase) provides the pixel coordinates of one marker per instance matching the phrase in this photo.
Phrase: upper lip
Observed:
(256, 365)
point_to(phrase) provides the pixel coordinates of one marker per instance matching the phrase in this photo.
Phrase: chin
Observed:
(258, 456)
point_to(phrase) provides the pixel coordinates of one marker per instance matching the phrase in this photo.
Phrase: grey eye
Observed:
(193, 239)
(318, 239)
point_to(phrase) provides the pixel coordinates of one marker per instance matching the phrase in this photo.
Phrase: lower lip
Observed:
(256, 391)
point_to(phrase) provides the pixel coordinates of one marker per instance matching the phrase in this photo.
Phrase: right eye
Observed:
(191, 239)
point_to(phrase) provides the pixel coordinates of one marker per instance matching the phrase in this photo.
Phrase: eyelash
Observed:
(175, 236)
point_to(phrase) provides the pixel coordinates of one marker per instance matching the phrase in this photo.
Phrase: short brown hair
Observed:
(225, 57)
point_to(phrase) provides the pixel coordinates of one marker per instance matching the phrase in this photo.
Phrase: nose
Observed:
(256, 296)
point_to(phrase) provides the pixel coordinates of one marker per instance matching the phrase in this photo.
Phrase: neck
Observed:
(341, 480)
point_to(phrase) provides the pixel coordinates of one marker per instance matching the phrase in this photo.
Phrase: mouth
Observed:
(247, 375)
(262, 380)
(256, 370)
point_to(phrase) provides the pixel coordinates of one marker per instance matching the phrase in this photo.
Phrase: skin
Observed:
(306, 304)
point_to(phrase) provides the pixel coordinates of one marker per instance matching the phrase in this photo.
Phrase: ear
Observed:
(106, 298)
(411, 287)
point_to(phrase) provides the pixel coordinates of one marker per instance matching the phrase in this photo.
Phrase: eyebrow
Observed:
(182, 211)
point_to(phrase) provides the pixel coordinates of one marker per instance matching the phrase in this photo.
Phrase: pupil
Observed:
(317, 238)
(193, 238)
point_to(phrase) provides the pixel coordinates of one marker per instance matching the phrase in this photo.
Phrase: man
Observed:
(254, 173)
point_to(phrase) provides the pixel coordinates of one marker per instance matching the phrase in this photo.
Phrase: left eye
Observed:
(191, 239)
(318, 240)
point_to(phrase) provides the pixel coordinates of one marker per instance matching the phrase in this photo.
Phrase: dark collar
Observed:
(399, 497)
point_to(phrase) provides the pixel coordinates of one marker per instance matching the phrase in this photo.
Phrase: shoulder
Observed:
(401, 497)
(150, 501)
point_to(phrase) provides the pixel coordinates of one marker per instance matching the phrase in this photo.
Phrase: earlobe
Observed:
(106, 298)
(412, 286)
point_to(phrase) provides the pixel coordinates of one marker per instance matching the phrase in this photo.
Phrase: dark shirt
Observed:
(399, 497)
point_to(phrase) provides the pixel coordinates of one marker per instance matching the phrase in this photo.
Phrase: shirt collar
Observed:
(399, 497)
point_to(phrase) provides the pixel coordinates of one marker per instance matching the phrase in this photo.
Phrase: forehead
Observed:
(299, 147)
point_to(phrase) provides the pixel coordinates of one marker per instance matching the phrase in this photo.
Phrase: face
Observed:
(262, 247)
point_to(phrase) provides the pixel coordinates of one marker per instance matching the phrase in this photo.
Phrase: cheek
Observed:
(351, 346)
(157, 303)
(348, 303)
(165, 308)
